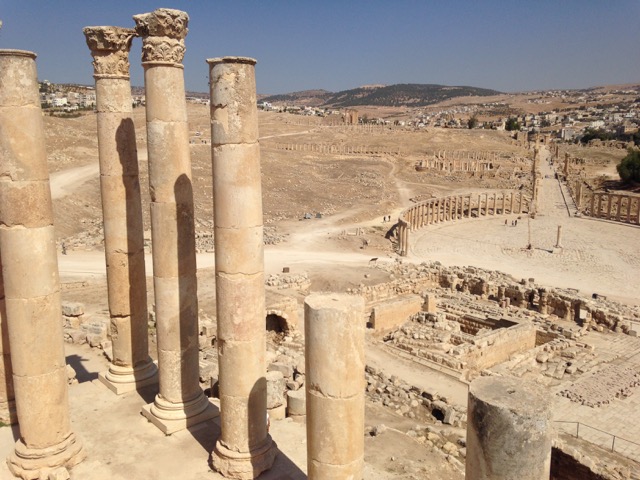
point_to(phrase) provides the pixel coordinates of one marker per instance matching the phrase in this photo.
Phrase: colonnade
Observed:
(455, 165)
(457, 207)
(30, 304)
(609, 206)
(338, 149)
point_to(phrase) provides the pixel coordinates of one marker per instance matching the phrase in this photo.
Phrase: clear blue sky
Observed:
(342, 44)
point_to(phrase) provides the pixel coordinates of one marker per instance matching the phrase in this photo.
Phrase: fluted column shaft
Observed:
(245, 448)
(31, 282)
(131, 366)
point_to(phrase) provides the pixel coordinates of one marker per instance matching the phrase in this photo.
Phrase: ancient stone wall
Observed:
(393, 313)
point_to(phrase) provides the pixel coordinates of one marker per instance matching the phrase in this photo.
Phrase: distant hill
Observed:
(404, 94)
(312, 98)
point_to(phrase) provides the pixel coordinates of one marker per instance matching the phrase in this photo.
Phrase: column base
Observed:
(34, 464)
(172, 417)
(126, 379)
(244, 465)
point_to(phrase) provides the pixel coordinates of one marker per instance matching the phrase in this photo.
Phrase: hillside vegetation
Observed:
(405, 94)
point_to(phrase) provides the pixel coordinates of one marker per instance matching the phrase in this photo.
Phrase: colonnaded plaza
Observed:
(203, 290)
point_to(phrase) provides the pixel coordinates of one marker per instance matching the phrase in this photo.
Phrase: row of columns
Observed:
(465, 155)
(610, 207)
(461, 206)
(341, 149)
(455, 208)
(456, 165)
(244, 448)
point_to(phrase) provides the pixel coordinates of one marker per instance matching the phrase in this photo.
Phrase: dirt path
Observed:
(64, 182)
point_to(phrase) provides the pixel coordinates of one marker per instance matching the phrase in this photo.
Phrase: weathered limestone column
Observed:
(335, 389)
(509, 430)
(131, 366)
(31, 283)
(180, 402)
(245, 448)
(559, 237)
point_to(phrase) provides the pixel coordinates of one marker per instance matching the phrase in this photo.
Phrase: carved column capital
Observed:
(110, 50)
(163, 32)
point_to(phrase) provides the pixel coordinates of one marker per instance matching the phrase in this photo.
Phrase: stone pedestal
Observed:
(31, 283)
(335, 385)
(244, 448)
(180, 402)
(131, 366)
(508, 430)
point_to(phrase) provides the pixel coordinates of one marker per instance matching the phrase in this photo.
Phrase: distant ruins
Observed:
(468, 324)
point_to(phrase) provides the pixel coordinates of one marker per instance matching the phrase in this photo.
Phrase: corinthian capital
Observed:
(110, 50)
(163, 32)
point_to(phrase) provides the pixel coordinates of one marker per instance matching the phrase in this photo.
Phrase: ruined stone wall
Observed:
(504, 343)
(393, 313)
(595, 313)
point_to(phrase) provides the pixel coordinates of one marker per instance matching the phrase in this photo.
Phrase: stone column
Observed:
(559, 237)
(245, 448)
(509, 430)
(31, 283)
(334, 329)
(180, 402)
(131, 366)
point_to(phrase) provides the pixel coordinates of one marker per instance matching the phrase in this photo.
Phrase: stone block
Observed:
(275, 389)
(296, 403)
(395, 312)
(285, 369)
(77, 336)
(72, 309)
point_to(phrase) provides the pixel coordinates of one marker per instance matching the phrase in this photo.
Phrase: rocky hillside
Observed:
(406, 94)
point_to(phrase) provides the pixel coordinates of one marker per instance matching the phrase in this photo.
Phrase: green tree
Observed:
(512, 124)
(472, 122)
(629, 167)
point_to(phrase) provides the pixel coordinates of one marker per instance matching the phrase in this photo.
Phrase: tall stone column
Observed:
(131, 366)
(180, 402)
(509, 430)
(245, 448)
(31, 283)
(335, 389)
